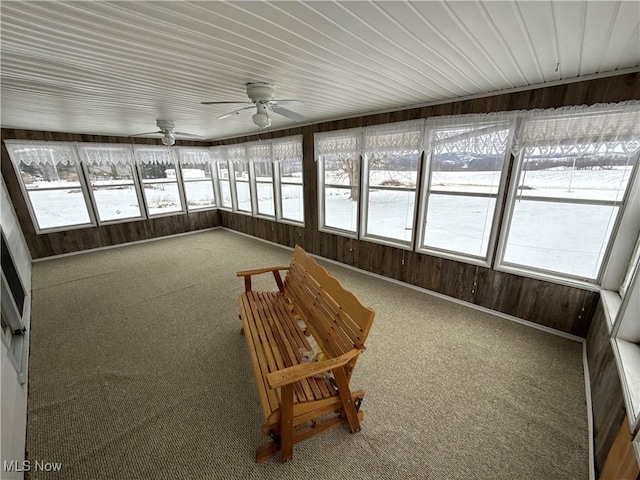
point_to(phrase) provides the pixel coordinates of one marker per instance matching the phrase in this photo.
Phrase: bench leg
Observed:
(286, 423)
(348, 406)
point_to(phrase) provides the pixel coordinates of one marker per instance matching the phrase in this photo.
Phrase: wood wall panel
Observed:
(606, 392)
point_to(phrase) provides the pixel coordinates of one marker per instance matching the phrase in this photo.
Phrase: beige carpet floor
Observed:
(138, 371)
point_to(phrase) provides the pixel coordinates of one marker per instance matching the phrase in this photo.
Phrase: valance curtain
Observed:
(153, 155)
(482, 134)
(237, 154)
(105, 154)
(258, 152)
(38, 154)
(193, 156)
(338, 145)
(401, 139)
(601, 128)
(218, 154)
(287, 149)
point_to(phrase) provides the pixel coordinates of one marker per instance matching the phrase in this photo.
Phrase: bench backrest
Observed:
(334, 316)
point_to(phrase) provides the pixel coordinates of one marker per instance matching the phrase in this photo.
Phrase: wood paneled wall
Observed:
(48, 244)
(606, 392)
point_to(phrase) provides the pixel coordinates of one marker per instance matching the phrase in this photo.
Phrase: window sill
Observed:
(627, 355)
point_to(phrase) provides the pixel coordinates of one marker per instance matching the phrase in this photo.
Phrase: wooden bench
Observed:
(281, 327)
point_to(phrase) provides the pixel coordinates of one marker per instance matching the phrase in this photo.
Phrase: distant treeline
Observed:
(454, 162)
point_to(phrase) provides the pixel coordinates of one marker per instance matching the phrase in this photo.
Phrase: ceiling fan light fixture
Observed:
(169, 139)
(262, 120)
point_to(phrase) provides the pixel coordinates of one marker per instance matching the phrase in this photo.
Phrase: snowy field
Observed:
(563, 237)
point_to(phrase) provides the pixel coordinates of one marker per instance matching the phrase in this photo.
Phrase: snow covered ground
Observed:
(563, 237)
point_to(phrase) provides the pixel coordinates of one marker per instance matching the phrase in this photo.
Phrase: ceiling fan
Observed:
(167, 130)
(261, 95)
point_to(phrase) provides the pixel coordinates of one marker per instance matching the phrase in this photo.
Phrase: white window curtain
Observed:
(39, 154)
(601, 128)
(193, 156)
(287, 149)
(153, 155)
(258, 152)
(237, 154)
(487, 134)
(394, 140)
(339, 145)
(218, 154)
(105, 154)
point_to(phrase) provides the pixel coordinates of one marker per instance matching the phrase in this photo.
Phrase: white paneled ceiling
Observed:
(113, 68)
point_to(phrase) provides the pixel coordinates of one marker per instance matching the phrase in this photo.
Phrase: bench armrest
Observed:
(247, 274)
(296, 373)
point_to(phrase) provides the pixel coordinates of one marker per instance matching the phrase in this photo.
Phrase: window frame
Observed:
(386, 142)
(234, 188)
(136, 184)
(553, 276)
(277, 173)
(254, 185)
(25, 191)
(178, 181)
(365, 190)
(15, 334)
(426, 191)
(211, 180)
(219, 181)
(322, 226)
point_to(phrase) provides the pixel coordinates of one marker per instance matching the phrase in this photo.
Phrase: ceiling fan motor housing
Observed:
(260, 91)
(166, 124)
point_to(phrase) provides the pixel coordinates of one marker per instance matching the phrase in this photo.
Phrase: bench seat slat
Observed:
(287, 352)
(268, 398)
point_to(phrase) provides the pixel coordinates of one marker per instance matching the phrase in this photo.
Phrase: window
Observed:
(463, 181)
(53, 185)
(391, 160)
(111, 174)
(259, 156)
(287, 157)
(197, 177)
(14, 311)
(221, 163)
(159, 173)
(574, 167)
(239, 170)
(338, 157)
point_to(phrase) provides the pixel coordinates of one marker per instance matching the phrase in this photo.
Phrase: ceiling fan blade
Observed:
(296, 117)
(183, 134)
(224, 103)
(286, 100)
(159, 132)
(235, 111)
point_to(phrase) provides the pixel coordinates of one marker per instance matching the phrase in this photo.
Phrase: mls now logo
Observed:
(28, 466)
